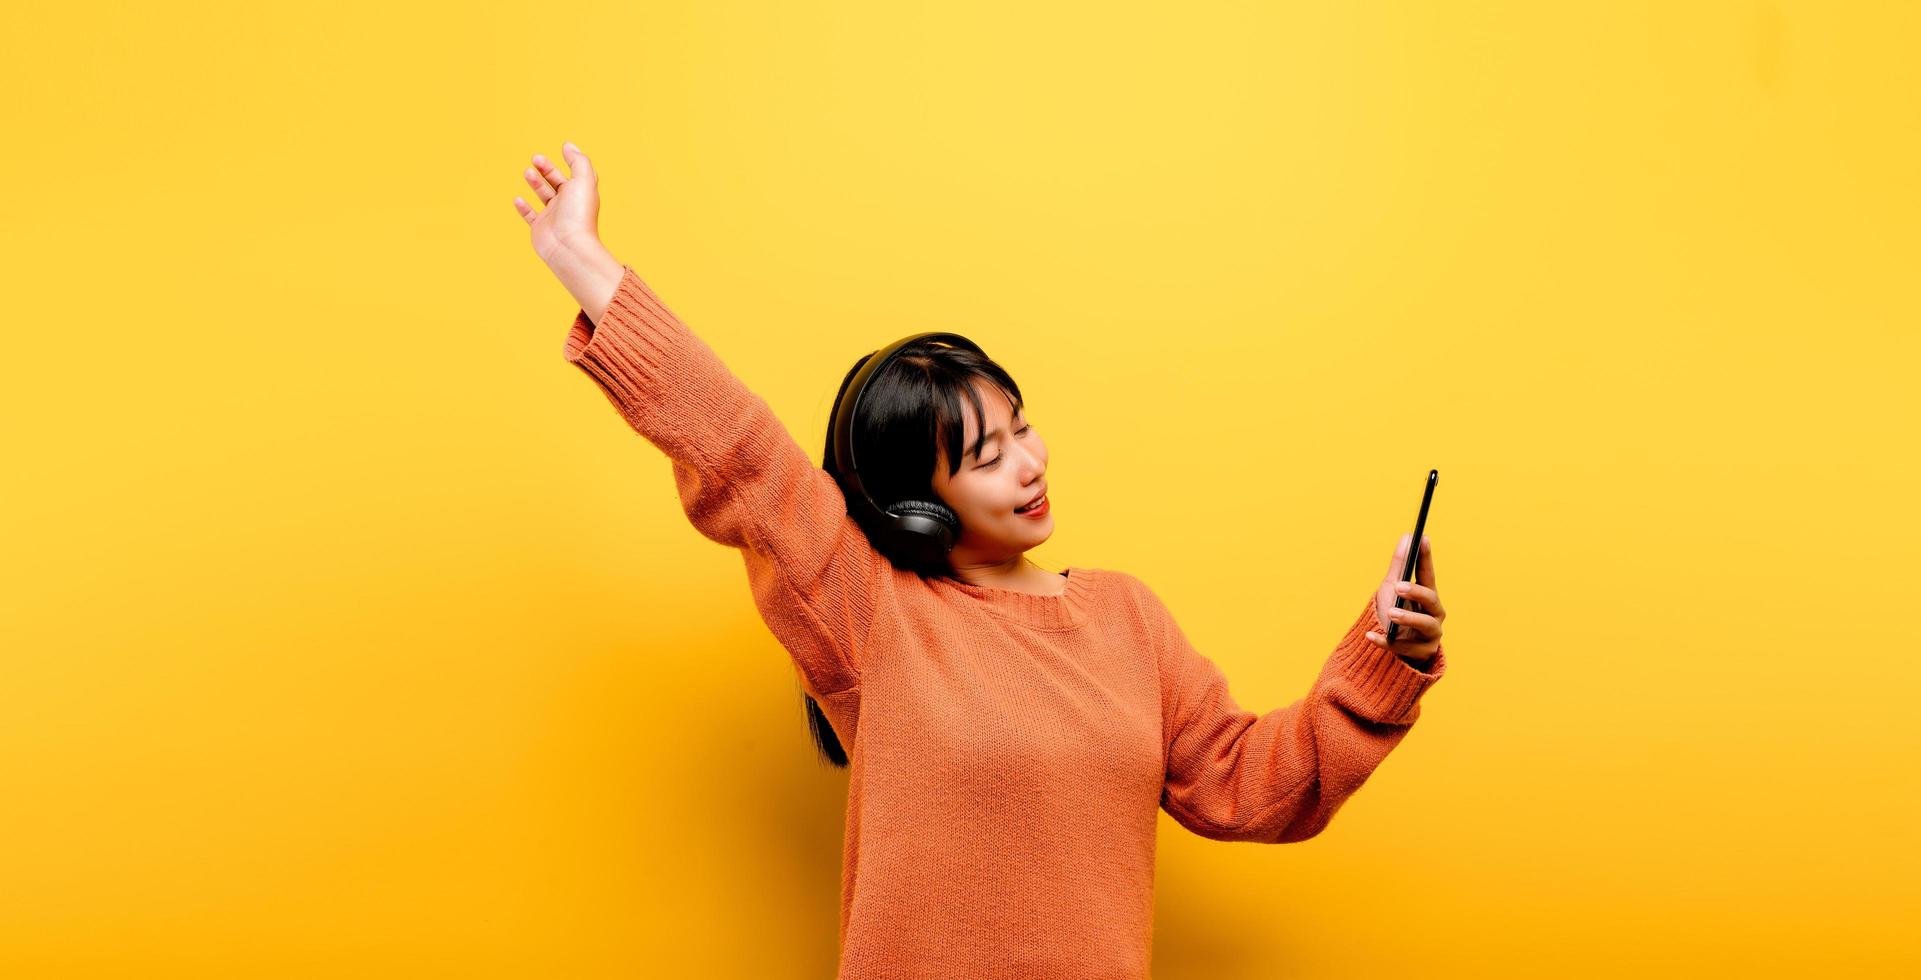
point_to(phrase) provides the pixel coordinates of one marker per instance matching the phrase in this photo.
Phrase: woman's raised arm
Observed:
(742, 479)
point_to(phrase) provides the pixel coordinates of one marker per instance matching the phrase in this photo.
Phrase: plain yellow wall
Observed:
(348, 631)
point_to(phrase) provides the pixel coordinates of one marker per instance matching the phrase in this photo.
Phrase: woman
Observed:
(1011, 733)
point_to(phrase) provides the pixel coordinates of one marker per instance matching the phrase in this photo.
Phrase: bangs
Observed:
(950, 425)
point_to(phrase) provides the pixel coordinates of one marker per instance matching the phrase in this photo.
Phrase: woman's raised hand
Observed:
(570, 217)
(1419, 635)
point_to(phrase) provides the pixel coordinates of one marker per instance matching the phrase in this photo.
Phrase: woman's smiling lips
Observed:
(1039, 510)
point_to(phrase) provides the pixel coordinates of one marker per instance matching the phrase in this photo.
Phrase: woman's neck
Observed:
(1016, 574)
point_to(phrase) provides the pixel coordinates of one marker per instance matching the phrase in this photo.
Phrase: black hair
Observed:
(910, 412)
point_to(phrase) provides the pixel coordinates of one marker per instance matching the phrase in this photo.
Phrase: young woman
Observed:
(1011, 733)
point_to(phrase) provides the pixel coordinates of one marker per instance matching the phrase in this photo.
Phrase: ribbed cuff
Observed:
(665, 380)
(1375, 683)
(628, 352)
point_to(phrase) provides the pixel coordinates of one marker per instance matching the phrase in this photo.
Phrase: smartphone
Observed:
(1414, 549)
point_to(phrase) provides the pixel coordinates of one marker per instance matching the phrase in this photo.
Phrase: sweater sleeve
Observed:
(742, 480)
(1279, 777)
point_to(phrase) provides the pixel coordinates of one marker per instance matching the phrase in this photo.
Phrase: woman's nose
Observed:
(1032, 466)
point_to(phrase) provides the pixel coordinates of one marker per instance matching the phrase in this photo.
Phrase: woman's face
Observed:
(1005, 471)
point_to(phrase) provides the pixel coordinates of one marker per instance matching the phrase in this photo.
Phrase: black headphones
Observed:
(913, 534)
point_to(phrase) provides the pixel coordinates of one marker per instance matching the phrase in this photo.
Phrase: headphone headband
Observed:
(916, 534)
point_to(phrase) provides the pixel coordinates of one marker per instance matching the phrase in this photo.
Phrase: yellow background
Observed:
(349, 632)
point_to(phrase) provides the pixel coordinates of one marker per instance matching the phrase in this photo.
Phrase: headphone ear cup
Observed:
(924, 531)
(939, 512)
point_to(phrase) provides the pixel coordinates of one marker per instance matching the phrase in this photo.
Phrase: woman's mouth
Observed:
(1037, 509)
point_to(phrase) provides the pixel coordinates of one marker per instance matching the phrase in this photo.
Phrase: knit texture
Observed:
(1008, 751)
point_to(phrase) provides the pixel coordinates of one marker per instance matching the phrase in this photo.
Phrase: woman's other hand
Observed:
(569, 220)
(1419, 636)
(566, 233)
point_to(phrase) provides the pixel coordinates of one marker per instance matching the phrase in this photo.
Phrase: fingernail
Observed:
(1400, 586)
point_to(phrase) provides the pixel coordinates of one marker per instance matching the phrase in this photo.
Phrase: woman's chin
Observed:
(1042, 529)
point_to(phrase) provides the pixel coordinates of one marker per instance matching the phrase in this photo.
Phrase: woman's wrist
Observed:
(590, 273)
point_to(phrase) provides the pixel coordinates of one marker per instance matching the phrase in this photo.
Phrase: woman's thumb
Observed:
(1397, 565)
(577, 163)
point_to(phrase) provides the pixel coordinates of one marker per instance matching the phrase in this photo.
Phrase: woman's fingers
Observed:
(547, 180)
(549, 171)
(1406, 642)
(1415, 628)
(1428, 600)
(1416, 625)
(539, 184)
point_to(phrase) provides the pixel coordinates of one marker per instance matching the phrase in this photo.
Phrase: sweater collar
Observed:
(1065, 611)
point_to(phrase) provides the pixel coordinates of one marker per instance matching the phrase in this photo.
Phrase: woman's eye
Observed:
(990, 463)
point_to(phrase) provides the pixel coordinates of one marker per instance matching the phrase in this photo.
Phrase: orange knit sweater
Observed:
(1008, 752)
